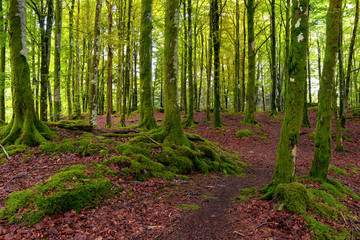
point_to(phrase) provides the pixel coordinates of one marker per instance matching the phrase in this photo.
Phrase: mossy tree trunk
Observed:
(24, 127)
(126, 81)
(93, 93)
(70, 66)
(183, 104)
(172, 124)
(350, 58)
(242, 95)
(273, 59)
(236, 103)
(250, 94)
(76, 85)
(287, 148)
(190, 116)
(57, 60)
(322, 154)
(305, 118)
(208, 75)
(2, 63)
(341, 74)
(45, 56)
(109, 68)
(215, 15)
(147, 119)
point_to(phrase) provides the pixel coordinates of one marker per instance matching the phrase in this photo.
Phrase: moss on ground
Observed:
(70, 188)
(315, 204)
(243, 133)
(10, 150)
(337, 171)
(85, 145)
(178, 159)
(187, 207)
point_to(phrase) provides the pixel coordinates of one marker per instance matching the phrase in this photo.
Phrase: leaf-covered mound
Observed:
(320, 204)
(70, 188)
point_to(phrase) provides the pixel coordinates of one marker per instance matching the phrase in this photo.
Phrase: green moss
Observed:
(337, 171)
(118, 135)
(71, 124)
(263, 138)
(187, 207)
(333, 190)
(243, 133)
(311, 136)
(322, 231)
(328, 199)
(207, 197)
(70, 188)
(347, 138)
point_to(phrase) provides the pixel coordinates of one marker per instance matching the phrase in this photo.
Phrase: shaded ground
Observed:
(147, 210)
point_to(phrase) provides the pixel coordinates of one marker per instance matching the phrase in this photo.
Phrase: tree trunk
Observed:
(286, 152)
(201, 68)
(242, 97)
(109, 68)
(237, 59)
(215, 14)
(126, 81)
(351, 53)
(172, 124)
(273, 59)
(70, 68)
(322, 154)
(77, 79)
(147, 119)
(57, 60)
(2, 63)
(208, 76)
(24, 127)
(341, 74)
(184, 65)
(95, 63)
(45, 58)
(250, 95)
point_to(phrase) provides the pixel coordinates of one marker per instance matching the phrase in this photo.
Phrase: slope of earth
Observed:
(160, 209)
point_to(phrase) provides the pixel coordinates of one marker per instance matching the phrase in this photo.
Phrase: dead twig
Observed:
(16, 176)
(7, 155)
(151, 139)
(262, 224)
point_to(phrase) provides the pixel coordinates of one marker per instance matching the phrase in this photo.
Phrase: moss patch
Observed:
(243, 133)
(70, 188)
(318, 206)
(337, 171)
(187, 207)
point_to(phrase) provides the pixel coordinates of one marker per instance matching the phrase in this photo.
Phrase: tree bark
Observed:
(147, 119)
(216, 45)
(2, 63)
(273, 59)
(57, 60)
(94, 69)
(250, 95)
(287, 148)
(70, 68)
(322, 154)
(109, 68)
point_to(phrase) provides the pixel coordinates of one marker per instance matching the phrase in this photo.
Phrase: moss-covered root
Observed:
(27, 131)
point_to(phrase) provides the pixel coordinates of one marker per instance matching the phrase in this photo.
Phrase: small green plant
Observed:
(311, 136)
(207, 197)
(243, 133)
(347, 138)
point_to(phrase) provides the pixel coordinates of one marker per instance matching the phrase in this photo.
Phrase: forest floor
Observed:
(157, 208)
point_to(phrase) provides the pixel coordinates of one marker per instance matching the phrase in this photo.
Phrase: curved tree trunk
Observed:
(24, 127)
(147, 119)
(322, 154)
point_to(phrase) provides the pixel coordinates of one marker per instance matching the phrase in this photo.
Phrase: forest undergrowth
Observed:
(147, 196)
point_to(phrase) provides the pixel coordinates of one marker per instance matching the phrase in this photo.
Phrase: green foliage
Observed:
(207, 197)
(243, 133)
(187, 207)
(355, 112)
(70, 188)
(347, 138)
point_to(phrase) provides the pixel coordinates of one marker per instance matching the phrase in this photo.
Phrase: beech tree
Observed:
(287, 148)
(24, 127)
(2, 63)
(323, 152)
(57, 60)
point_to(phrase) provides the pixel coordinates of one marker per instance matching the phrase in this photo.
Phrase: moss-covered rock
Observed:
(243, 133)
(70, 188)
